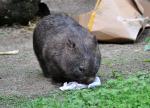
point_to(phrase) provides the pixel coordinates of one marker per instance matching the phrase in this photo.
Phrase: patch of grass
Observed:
(116, 75)
(133, 92)
(147, 47)
(147, 60)
(147, 40)
(9, 101)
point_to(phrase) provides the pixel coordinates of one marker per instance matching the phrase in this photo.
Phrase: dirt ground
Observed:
(21, 75)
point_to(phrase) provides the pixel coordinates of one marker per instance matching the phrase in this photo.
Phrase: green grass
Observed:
(147, 47)
(133, 92)
(147, 40)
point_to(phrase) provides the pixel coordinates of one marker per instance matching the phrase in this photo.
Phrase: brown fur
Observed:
(65, 50)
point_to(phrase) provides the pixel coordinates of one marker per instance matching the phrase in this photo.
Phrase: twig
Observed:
(10, 52)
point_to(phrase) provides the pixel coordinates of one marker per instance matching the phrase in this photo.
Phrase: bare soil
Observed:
(20, 74)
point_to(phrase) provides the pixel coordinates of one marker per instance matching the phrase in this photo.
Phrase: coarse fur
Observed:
(65, 50)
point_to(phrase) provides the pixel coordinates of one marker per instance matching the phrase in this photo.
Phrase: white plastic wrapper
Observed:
(75, 85)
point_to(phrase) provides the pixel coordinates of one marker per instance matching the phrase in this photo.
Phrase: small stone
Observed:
(17, 11)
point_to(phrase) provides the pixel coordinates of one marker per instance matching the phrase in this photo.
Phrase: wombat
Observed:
(65, 50)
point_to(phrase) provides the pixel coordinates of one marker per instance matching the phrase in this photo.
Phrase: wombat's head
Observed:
(82, 58)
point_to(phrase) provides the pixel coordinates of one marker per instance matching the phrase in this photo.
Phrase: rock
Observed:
(17, 11)
(43, 10)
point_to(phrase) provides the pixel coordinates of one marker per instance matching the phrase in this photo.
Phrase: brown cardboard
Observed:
(114, 20)
(144, 6)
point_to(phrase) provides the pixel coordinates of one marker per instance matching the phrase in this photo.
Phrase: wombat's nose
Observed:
(90, 80)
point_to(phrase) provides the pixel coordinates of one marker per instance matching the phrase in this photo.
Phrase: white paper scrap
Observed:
(76, 86)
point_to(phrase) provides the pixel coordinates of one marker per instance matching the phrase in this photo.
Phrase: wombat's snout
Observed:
(90, 80)
(87, 80)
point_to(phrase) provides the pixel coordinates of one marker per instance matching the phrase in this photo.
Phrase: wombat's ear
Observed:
(70, 44)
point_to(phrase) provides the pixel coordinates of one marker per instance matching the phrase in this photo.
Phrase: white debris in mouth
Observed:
(77, 86)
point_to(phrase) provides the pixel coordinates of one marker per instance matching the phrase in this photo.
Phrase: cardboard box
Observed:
(114, 20)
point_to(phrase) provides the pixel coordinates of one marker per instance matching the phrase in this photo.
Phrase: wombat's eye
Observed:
(71, 44)
(81, 68)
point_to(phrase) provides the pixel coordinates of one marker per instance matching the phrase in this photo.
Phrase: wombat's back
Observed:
(52, 25)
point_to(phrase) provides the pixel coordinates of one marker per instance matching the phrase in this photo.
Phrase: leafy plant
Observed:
(147, 39)
(147, 47)
(147, 60)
